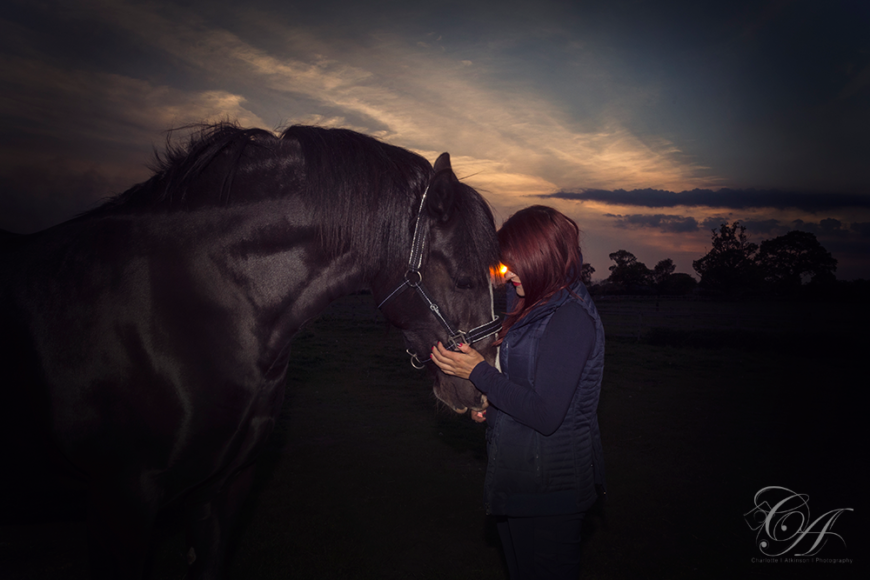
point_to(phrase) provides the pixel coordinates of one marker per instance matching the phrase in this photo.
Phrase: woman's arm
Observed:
(565, 346)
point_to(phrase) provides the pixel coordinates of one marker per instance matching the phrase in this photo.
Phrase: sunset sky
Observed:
(649, 123)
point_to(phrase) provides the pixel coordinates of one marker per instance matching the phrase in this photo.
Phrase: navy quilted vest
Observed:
(530, 474)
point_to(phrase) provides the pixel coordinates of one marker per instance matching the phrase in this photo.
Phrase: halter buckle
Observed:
(454, 341)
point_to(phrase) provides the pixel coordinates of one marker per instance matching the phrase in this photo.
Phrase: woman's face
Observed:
(511, 278)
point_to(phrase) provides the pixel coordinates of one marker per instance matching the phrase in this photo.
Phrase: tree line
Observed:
(790, 265)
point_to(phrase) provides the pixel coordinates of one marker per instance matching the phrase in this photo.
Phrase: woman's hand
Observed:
(459, 364)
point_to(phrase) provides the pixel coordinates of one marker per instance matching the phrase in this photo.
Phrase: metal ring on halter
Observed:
(415, 358)
(419, 278)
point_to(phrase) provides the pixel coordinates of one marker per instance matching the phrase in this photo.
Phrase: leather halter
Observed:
(414, 279)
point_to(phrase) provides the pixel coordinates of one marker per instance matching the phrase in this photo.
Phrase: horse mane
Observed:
(367, 193)
(364, 193)
(180, 166)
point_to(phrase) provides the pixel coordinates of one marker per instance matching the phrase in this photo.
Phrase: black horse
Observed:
(145, 343)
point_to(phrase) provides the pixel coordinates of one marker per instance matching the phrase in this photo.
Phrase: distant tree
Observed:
(678, 284)
(797, 258)
(730, 266)
(622, 258)
(662, 271)
(586, 272)
(628, 272)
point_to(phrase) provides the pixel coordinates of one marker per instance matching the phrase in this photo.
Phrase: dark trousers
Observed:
(539, 548)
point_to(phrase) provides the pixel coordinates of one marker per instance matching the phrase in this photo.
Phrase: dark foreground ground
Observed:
(368, 477)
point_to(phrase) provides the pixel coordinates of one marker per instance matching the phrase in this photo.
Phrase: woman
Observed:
(543, 443)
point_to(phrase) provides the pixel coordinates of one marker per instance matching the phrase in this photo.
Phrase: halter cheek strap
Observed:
(414, 279)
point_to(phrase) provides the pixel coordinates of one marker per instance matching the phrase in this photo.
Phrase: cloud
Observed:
(722, 198)
(79, 104)
(767, 226)
(406, 91)
(828, 227)
(74, 136)
(714, 222)
(754, 227)
(666, 223)
(487, 175)
(861, 228)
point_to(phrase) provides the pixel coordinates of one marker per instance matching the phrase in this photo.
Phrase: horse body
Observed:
(148, 343)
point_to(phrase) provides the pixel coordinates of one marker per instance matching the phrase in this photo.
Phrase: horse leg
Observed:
(121, 517)
(212, 522)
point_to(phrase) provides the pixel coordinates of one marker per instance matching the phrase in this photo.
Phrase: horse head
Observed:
(446, 292)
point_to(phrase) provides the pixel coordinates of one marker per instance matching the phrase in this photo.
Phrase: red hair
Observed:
(541, 246)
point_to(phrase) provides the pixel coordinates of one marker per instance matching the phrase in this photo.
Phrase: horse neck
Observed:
(264, 256)
(278, 252)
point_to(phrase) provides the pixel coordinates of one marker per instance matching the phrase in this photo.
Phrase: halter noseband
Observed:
(414, 279)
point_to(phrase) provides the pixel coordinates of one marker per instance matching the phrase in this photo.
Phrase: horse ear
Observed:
(442, 189)
(443, 163)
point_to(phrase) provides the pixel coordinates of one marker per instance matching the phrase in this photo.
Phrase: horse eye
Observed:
(464, 284)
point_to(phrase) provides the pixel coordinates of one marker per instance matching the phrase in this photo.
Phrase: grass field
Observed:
(368, 477)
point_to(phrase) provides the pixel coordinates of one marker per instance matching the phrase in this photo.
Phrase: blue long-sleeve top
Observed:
(565, 346)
